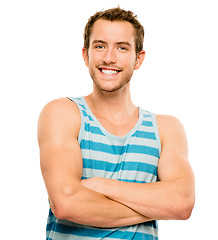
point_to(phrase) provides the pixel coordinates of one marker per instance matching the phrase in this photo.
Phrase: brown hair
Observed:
(116, 14)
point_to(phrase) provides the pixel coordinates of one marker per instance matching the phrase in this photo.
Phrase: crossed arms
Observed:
(105, 202)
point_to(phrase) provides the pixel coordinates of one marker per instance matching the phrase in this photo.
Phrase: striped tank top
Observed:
(132, 158)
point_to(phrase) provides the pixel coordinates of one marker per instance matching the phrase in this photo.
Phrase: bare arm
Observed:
(61, 165)
(173, 196)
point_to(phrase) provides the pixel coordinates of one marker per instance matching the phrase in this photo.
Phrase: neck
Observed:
(116, 105)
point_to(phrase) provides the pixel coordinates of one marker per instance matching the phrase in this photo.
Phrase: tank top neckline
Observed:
(110, 135)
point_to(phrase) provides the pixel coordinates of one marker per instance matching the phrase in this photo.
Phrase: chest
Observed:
(126, 150)
(134, 160)
(117, 127)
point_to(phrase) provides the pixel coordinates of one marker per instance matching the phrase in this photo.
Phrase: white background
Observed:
(40, 60)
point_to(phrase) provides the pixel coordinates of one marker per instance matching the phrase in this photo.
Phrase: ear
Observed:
(85, 56)
(140, 59)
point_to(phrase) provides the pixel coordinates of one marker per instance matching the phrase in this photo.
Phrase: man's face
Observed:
(111, 57)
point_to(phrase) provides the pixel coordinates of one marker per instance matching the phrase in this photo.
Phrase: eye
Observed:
(123, 48)
(99, 47)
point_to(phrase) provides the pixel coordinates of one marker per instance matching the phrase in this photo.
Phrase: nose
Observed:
(110, 56)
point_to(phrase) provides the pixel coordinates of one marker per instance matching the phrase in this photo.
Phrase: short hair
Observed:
(116, 14)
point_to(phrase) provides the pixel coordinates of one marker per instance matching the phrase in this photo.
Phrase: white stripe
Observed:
(121, 175)
(130, 157)
(134, 140)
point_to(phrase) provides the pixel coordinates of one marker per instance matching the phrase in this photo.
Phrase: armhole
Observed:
(156, 132)
(81, 117)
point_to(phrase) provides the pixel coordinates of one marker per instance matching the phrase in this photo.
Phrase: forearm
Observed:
(88, 207)
(159, 200)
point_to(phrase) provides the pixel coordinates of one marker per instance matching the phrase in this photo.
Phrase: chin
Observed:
(110, 89)
(112, 85)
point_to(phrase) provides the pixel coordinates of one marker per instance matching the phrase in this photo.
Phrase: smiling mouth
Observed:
(109, 72)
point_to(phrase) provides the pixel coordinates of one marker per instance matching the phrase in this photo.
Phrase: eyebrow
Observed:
(124, 43)
(98, 41)
(118, 43)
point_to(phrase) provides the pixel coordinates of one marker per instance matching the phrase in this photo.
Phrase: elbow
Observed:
(61, 206)
(185, 208)
(59, 209)
(59, 213)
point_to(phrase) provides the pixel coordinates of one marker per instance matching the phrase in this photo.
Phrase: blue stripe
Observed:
(147, 135)
(118, 150)
(146, 115)
(101, 147)
(86, 115)
(82, 106)
(102, 232)
(94, 130)
(50, 213)
(143, 150)
(116, 167)
(147, 123)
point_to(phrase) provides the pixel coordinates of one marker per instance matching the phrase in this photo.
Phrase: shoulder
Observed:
(59, 117)
(170, 129)
(167, 120)
(60, 107)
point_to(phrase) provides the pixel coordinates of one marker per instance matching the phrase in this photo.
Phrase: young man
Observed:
(112, 169)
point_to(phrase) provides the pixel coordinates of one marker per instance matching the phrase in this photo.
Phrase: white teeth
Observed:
(109, 72)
